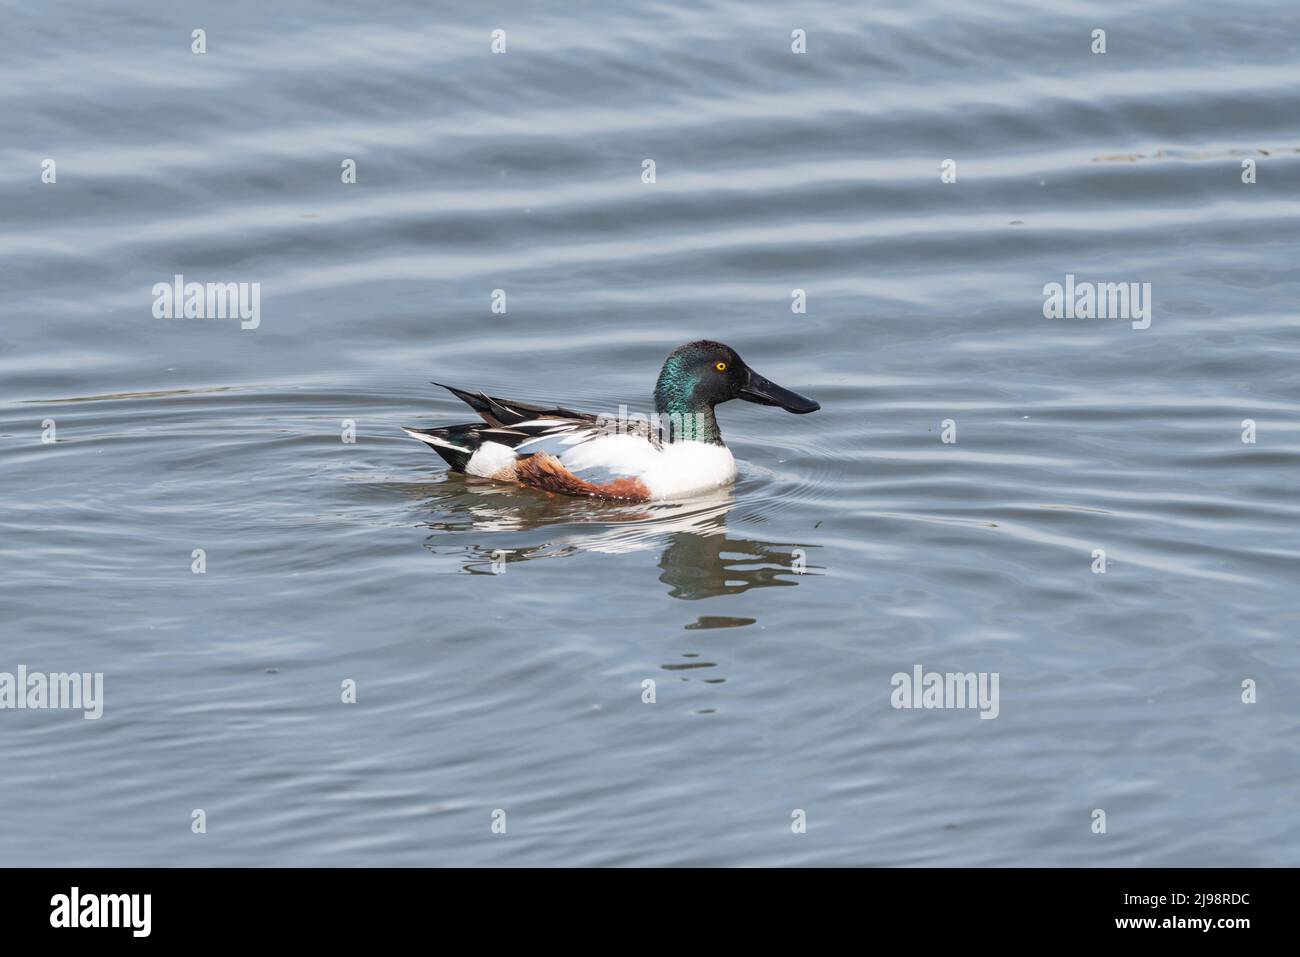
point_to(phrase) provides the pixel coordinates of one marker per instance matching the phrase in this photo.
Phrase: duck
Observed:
(626, 457)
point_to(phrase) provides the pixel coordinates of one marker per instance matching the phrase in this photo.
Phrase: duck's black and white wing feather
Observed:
(521, 428)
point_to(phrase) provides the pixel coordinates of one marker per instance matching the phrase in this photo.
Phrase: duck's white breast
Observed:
(672, 471)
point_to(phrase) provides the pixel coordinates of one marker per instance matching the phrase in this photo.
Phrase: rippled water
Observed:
(499, 640)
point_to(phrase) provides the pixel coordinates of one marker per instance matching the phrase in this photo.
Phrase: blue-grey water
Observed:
(499, 639)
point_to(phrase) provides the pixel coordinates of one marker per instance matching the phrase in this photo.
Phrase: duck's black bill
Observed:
(765, 392)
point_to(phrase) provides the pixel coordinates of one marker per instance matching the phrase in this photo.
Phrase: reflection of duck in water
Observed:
(701, 566)
(680, 453)
(698, 559)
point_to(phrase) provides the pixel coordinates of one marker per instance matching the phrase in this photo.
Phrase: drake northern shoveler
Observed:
(625, 457)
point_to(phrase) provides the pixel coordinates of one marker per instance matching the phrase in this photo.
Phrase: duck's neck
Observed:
(683, 416)
(684, 421)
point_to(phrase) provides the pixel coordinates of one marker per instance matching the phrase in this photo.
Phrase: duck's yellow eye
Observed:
(720, 366)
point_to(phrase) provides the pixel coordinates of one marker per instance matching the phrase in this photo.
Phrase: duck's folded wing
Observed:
(540, 435)
(555, 434)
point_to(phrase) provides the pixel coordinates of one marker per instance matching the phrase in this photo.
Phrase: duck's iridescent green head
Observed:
(699, 375)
